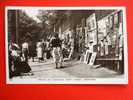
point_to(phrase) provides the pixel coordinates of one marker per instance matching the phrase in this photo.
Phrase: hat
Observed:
(91, 41)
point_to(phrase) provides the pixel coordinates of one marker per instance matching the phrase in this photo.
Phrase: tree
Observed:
(51, 19)
(28, 28)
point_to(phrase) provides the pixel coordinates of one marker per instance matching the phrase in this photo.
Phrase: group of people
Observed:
(55, 48)
(43, 50)
(18, 57)
(18, 62)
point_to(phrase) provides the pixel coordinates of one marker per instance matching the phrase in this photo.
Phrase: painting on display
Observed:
(111, 22)
(87, 57)
(116, 19)
(91, 22)
(92, 58)
(102, 29)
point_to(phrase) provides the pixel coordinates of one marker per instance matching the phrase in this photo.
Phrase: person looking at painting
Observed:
(106, 47)
(91, 47)
(102, 48)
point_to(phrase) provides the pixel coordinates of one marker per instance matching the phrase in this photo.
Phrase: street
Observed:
(72, 69)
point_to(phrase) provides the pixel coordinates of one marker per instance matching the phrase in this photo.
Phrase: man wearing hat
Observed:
(91, 46)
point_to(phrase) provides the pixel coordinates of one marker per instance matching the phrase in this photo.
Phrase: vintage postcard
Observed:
(66, 45)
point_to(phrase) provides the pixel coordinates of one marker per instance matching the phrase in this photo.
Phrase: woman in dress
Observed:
(39, 51)
(18, 65)
(25, 50)
(57, 52)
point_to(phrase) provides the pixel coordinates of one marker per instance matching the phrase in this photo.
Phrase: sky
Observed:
(32, 13)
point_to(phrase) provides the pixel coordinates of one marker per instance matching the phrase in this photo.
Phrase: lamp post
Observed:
(17, 21)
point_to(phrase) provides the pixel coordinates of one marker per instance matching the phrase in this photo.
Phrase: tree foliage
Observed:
(28, 28)
(55, 18)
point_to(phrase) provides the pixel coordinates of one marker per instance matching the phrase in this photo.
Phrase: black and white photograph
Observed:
(66, 45)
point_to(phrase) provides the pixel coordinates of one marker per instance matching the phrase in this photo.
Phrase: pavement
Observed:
(72, 69)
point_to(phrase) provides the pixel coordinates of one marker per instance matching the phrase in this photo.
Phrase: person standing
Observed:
(39, 50)
(91, 47)
(106, 48)
(48, 49)
(13, 59)
(71, 43)
(57, 52)
(102, 48)
(43, 50)
(25, 50)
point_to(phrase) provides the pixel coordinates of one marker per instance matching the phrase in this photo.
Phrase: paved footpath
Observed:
(72, 69)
